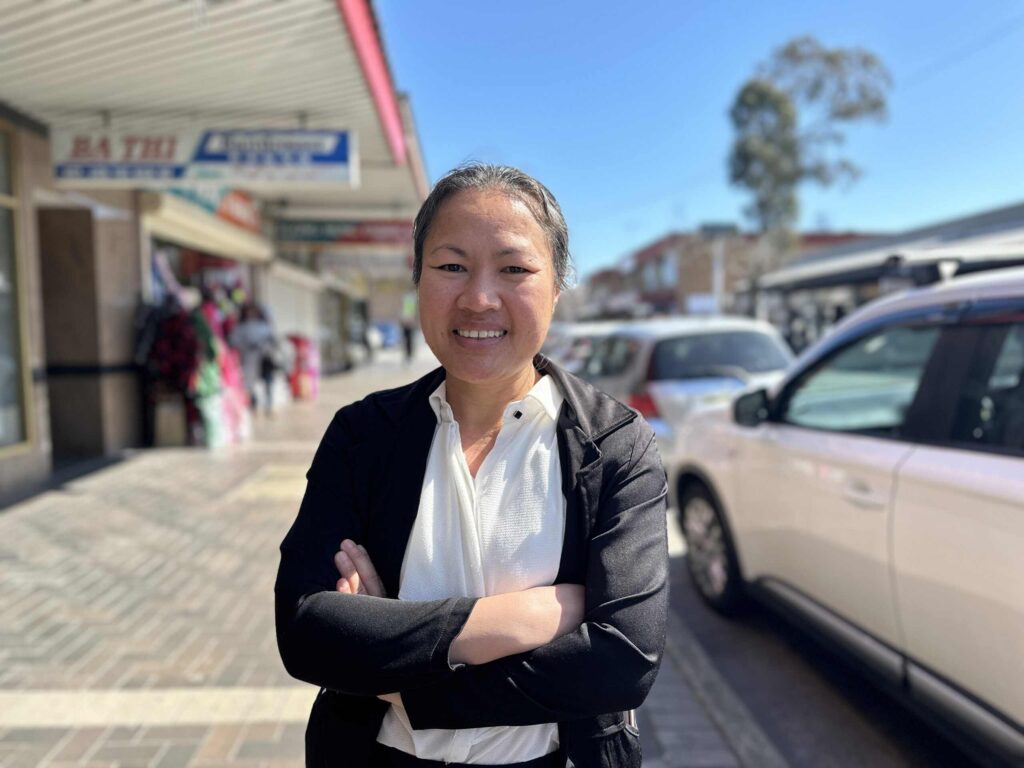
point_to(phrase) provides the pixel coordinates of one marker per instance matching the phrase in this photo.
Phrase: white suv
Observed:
(877, 492)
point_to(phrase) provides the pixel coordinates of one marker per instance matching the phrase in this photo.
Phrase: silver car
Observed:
(571, 344)
(670, 368)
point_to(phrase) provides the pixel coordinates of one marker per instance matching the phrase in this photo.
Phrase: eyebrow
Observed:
(459, 251)
(448, 247)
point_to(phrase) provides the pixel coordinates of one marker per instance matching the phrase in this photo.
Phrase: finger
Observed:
(348, 571)
(364, 566)
(344, 564)
(342, 586)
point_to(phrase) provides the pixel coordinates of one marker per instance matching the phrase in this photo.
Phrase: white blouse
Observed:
(500, 532)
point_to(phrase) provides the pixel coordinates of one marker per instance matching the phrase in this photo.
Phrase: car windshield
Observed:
(717, 354)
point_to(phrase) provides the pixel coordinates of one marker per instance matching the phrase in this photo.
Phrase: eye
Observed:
(451, 268)
(516, 270)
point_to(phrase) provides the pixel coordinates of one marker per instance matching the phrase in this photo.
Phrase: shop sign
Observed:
(231, 205)
(391, 232)
(188, 155)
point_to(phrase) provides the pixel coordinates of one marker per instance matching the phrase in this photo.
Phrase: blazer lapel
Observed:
(399, 496)
(585, 415)
(581, 485)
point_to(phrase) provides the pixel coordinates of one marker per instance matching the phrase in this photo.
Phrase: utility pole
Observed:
(717, 234)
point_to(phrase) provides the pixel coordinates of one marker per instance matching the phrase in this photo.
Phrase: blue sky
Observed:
(621, 108)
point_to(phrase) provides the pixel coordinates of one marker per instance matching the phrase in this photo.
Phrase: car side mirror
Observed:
(751, 409)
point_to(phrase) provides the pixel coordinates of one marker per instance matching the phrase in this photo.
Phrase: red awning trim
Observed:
(363, 31)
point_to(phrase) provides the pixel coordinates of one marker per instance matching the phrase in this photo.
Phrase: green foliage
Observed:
(788, 119)
(766, 154)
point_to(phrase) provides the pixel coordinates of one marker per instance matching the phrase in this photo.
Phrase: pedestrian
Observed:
(499, 594)
(270, 364)
(409, 312)
(257, 346)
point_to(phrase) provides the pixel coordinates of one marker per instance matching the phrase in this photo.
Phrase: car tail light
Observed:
(642, 402)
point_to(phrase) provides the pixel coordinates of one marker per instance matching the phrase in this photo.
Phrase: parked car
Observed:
(876, 494)
(571, 344)
(667, 369)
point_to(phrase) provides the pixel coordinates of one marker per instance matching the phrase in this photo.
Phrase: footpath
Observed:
(136, 615)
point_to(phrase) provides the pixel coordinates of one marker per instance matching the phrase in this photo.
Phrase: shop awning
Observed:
(245, 64)
(1006, 248)
(994, 237)
(178, 221)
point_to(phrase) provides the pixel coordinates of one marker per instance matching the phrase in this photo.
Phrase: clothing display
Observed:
(185, 353)
(304, 376)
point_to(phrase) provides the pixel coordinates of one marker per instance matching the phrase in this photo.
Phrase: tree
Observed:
(788, 120)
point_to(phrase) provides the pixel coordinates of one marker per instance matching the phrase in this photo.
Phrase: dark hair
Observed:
(511, 181)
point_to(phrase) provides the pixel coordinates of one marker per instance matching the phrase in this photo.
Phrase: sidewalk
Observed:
(136, 614)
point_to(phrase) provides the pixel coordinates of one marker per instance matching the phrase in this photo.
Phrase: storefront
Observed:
(201, 269)
(103, 210)
(14, 369)
(342, 312)
(294, 300)
(370, 263)
(25, 448)
(210, 241)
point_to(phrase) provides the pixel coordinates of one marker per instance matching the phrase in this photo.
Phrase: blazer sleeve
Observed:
(609, 663)
(354, 644)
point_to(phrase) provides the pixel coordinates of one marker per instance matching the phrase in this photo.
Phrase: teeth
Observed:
(479, 334)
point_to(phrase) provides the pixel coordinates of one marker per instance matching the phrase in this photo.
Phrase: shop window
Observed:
(12, 411)
(6, 182)
(669, 270)
(650, 274)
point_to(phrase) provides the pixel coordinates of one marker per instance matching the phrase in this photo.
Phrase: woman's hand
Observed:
(358, 576)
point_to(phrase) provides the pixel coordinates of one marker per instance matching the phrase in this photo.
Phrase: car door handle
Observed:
(860, 495)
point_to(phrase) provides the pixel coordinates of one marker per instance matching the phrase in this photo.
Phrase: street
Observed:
(221, 223)
(815, 708)
(136, 629)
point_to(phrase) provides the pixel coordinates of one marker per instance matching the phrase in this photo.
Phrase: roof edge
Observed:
(362, 29)
(990, 219)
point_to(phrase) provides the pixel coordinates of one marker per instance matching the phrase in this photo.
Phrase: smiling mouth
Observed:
(467, 334)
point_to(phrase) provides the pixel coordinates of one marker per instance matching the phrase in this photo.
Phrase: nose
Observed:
(480, 294)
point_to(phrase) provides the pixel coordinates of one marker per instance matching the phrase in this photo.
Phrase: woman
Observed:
(516, 513)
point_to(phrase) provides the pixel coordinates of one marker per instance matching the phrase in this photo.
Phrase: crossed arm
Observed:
(532, 657)
(498, 626)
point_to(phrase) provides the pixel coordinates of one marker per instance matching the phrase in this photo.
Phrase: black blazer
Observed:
(365, 483)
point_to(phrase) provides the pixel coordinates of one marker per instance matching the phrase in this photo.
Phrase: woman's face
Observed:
(487, 288)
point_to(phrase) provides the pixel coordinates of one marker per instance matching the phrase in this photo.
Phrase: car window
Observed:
(990, 409)
(611, 357)
(717, 354)
(866, 387)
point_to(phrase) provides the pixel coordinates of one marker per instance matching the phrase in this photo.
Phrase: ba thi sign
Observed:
(148, 157)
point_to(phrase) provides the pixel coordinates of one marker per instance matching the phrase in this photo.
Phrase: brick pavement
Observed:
(136, 618)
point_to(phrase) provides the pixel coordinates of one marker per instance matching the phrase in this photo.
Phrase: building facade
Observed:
(104, 216)
(688, 273)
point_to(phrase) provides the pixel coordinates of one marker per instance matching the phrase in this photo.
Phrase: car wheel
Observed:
(710, 555)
